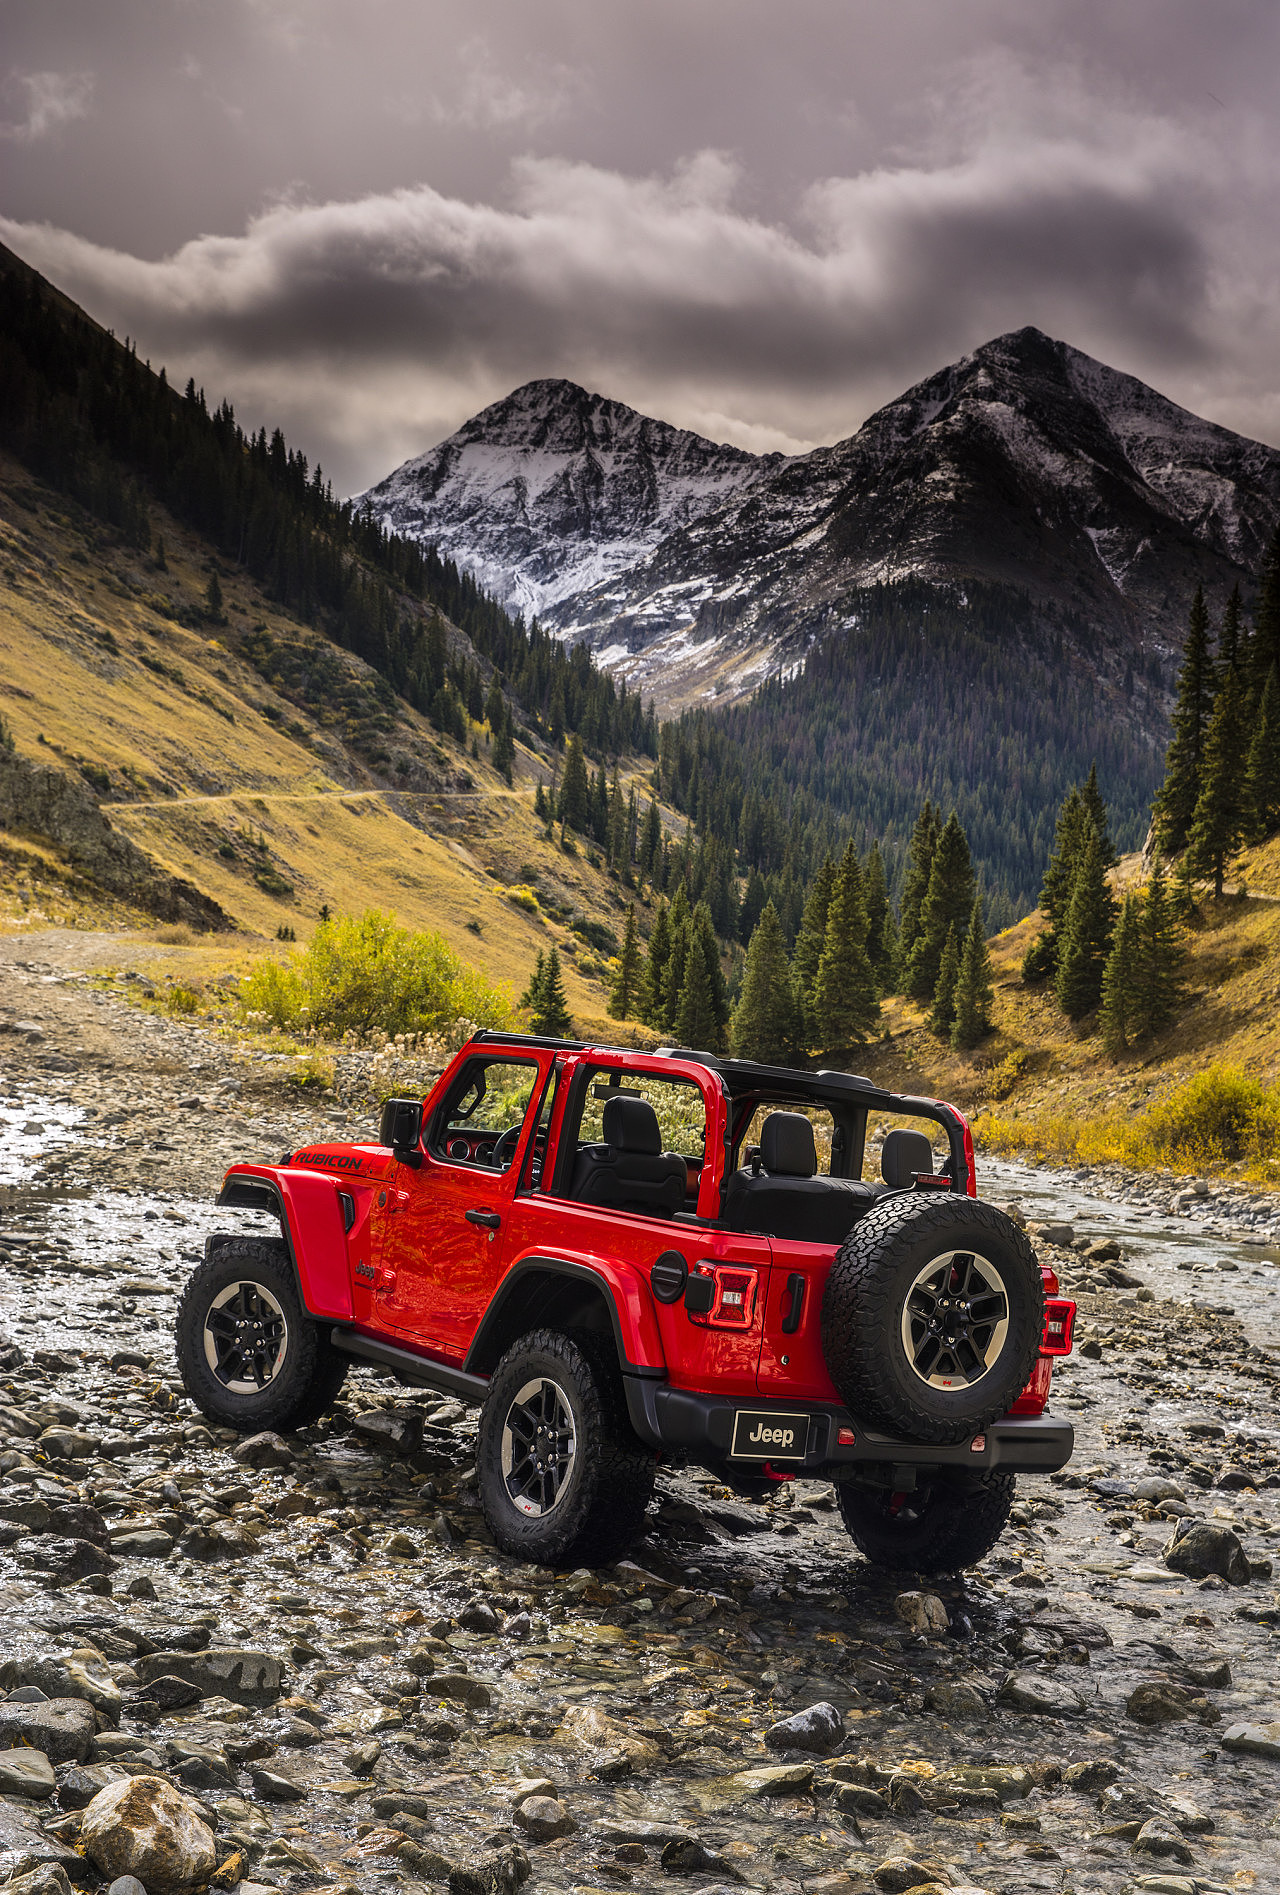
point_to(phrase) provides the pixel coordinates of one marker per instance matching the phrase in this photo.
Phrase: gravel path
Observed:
(326, 1654)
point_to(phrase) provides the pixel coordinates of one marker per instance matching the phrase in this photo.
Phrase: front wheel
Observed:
(951, 1521)
(250, 1356)
(563, 1478)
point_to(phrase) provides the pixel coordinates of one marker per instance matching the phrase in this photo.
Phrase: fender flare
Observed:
(313, 1222)
(551, 1269)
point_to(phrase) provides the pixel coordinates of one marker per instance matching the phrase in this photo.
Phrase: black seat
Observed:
(902, 1155)
(785, 1198)
(630, 1171)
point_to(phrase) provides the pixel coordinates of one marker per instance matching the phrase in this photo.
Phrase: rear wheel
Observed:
(250, 1356)
(564, 1480)
(932, 1316)
(952, 1520)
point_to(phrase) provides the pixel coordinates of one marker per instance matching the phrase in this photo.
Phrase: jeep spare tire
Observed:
(932, 1316)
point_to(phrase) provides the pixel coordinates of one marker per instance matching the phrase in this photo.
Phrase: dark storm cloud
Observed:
(861, 198)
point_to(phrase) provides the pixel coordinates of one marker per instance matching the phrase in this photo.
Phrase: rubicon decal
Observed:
(765, 1435)
(331, 1160)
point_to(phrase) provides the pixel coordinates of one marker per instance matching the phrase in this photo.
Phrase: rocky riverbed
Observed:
(302, 1665)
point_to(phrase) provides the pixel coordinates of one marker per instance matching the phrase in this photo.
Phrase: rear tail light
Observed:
(1059, 1322)
(726, 1295)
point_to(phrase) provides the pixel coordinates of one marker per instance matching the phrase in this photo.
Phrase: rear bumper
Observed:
(701, 1427)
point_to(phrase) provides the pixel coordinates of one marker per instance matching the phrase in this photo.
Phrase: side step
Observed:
(408, 1367)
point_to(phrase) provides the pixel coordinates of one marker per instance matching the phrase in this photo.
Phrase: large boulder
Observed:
(144, 1827)
(818, 1728)
(1200, 1548)
(63, 1728)
(245, 1676)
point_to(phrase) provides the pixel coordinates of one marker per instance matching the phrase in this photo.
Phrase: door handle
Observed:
(795, 1303)
(490, 1219)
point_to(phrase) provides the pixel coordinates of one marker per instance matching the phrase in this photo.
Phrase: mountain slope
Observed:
(1026, 466)
(544, 495)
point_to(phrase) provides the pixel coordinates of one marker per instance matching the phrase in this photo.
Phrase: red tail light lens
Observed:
(734, 1291)
(1059, 1323)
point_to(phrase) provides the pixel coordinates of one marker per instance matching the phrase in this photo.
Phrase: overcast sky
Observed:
(364, 219)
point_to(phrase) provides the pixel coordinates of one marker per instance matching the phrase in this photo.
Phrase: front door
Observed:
(446, 1221)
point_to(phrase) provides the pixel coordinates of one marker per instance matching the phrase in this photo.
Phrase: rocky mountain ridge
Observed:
(1092, 501)
(549, 493)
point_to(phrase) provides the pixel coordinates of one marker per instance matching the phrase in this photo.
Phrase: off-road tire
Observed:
(874, 1273)
(946, 1525)
(601, 1507)
(311, 1370)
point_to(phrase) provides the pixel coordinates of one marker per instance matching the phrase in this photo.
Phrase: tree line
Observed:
(83, 413)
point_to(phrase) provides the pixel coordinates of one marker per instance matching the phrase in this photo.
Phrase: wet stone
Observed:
(922, 1612)
(819, 1728)
(264, 1450)
(544, 1819)
(81, 1784)
(1203, 1547)
(145, 1827)
(1162, 1702)
(63, 1728)
(1040, 1694)
(1160, 1839)
(26, 1773)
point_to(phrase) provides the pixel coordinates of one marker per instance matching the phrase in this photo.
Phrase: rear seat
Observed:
(785, 1198)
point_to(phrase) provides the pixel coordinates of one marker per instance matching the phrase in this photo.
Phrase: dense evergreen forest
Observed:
(79, 409)
(920, 698)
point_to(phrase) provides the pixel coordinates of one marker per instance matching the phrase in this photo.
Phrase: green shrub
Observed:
(1219, 1116)
(362, 972)
(180, 999)
(522, 896)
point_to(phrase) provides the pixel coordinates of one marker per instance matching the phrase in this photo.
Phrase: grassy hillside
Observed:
(237, 754)
(1038, 1084)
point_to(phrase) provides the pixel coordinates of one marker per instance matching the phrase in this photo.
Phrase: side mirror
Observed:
(401, 1128)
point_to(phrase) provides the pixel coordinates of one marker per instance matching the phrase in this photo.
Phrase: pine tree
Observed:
(540, 802)
(1160, 953)
(943, 1011)
(1262, 769)
(161, 563)
(213, 599)
(627, 980)
(810, 939)
(1095, 811)
(1231, 656)
(575, 791)
(504, 751)
(753, 905)
(845, 1005)
(1117, 1014)
(532, 995)
(948, 899)
(495, 709)
(1175, 804)
(1086, 934)
(550, 1007)
(1266, 618)
(655, 970)
(680, 918)
(880, 930)
(1218, 824)
(924, 841)
(651, 842)
(974, 993)
(1183, 894)
(766, 1018)
(1041, 958)
(702, 1012)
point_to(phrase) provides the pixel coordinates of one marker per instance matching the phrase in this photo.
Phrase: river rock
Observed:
(264, 1450)
(591, 1729)
(145, 1827)
(1040, 1694)
(1259, 1740)
(819, 1728)
(1199, 1548)
(1160, 1839)
(922, 1612)
(898, 1875)
(958, 1699)
(141, 1543)
(63, 1728)
(545, 1819)
(230, 1671)
(26, 1773)
(1008, 1782)
(1159, 1701)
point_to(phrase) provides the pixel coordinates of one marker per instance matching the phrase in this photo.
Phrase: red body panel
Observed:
(402, 1261)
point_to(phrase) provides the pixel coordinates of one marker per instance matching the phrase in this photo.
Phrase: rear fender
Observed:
(541, 1292)
(314, 1220)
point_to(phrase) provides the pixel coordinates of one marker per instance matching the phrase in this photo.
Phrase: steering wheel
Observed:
(504, 1149)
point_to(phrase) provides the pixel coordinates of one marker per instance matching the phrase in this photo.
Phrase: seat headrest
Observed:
(632, 1125)
(903, 1154)
(786, 1145)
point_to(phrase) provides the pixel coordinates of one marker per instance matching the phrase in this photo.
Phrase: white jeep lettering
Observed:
(772, 1437)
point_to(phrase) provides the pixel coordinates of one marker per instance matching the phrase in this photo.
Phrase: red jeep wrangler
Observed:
(626, 1256)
